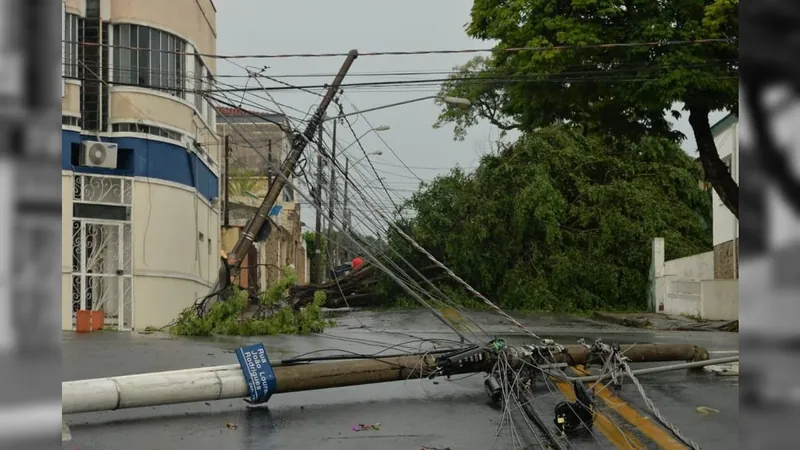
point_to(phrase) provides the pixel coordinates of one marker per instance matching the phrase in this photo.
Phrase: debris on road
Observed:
(705, 410)
(664, 322)
(231, 426)
(362, 427)
(723, 369)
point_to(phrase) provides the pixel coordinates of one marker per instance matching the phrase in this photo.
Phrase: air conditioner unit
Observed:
(98, 154)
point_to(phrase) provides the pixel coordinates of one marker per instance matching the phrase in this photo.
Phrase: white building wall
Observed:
(726, 226)
(175, 250)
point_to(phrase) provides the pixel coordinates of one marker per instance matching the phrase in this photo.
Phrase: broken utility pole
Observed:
(233, 381)
(259, 220)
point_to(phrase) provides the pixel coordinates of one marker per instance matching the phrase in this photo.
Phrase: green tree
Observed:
(622, 91)
(308, 236)
(560, 221)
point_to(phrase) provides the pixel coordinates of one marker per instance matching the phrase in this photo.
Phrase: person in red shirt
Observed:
(357, 263)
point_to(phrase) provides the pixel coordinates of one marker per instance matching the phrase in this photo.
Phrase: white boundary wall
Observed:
(686, 286)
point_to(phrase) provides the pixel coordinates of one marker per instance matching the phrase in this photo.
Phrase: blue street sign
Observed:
(275, 210)
(258, 373)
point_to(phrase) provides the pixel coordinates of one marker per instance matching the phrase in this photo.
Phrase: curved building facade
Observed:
(140, 160)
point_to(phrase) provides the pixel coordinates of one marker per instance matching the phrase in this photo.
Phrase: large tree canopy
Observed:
(623, 90)
(560, 221)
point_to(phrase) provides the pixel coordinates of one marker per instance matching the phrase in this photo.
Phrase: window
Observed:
(148, 57)
(146, 129)
(288, 194)
(71, 38)
(70, 121)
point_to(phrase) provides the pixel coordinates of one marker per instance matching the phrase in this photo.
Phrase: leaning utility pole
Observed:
(260, 219)
(330, 250)
(316, 272)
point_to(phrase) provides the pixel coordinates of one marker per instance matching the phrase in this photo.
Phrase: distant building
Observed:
(726, 226)
(259, 143)
(140, 159)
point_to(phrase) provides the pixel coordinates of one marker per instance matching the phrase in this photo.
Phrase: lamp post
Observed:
(371, 130)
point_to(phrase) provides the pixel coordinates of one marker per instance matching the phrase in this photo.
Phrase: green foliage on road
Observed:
(560, 221)
(231, 317)
(621, 91)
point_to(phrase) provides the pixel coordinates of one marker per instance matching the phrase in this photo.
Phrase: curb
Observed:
(623, 321)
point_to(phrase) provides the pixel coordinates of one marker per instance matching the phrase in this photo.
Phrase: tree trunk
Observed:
(716, 172)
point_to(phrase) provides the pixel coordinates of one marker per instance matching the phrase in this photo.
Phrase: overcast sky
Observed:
(314, 26)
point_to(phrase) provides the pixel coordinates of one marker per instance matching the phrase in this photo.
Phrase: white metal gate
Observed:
(101, 248)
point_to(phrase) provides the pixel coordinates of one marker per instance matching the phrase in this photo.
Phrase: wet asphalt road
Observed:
(452, 414)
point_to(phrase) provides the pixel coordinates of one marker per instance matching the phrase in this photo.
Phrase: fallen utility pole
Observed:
(165, 388)
(229, 382)
(258, 221)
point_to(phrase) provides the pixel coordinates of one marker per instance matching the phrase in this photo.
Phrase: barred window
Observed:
(71, 37)
(148, 57)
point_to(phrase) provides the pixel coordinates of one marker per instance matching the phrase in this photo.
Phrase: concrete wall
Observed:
(695, 267)
(709, 299)
(683, 297)
(720, 300)
(686, 286)
(726, 256)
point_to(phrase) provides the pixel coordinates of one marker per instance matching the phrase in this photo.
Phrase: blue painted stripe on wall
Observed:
(152, 159)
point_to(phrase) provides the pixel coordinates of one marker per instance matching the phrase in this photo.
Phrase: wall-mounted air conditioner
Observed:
(98, 154)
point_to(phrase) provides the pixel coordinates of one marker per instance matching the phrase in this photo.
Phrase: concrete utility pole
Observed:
(226, 382)
(227, 213)
(330, 248)
(345, 212)
(316, 274)
(299, 142)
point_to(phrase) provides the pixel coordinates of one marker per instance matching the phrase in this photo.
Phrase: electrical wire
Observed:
(368, 253)
(549, 48)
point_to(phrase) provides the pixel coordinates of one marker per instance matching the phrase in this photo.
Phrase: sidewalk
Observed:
(663, 322)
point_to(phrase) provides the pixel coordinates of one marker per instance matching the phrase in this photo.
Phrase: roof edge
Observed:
(723, 124)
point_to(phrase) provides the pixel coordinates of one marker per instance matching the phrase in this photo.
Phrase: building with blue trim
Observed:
(140, 160)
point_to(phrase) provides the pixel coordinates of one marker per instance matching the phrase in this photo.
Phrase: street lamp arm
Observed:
(360, 137)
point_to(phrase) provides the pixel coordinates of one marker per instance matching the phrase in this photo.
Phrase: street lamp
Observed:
(359, 160)
(376, 129)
